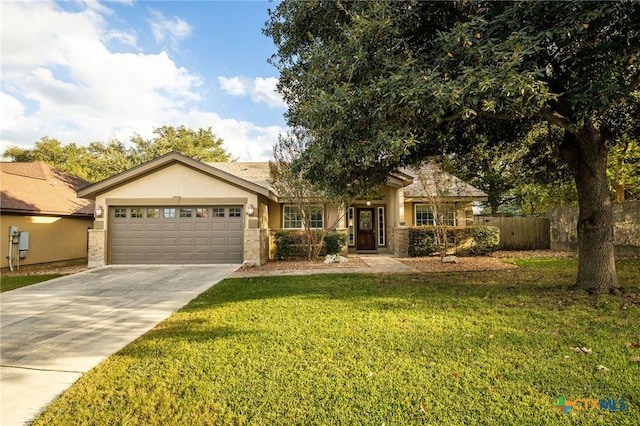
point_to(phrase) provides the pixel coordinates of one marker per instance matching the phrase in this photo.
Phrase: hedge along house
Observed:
(39, 206)
(174, 209)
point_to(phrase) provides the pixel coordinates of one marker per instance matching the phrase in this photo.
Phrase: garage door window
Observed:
(120, 212)
(235, 212)
(153, 213)
(136, 213)
(217, 212)
(202, 212)
(185, 212)
(169, 213)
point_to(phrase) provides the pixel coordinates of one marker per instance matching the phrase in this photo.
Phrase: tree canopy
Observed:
(100, 160)
(378, 83)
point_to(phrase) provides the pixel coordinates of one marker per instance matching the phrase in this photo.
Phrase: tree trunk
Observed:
(620, 192)
(586, 153)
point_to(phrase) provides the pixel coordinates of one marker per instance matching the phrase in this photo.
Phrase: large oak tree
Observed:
(100, 160)
(376, 83)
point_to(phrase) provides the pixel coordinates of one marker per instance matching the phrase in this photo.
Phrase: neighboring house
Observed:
(41, 202)
(178, 210)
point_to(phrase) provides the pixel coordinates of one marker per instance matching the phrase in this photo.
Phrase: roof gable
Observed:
(166, 160)
(37, 188)
(429, 180)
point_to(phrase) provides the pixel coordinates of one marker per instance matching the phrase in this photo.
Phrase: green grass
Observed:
(439, 349)
(11, 283)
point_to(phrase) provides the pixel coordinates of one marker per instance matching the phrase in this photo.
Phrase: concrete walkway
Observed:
(387, 264)
(55, 331)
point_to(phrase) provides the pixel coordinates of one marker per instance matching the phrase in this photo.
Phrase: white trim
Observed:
(351, 226)
(284, 206)
(301, 218)
(381, 229)
(433, 218)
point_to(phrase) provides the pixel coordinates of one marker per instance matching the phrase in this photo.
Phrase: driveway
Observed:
(53, 332)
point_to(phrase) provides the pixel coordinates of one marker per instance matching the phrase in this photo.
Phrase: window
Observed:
(169, 213)
(315, 217)
(202, 212)
(120, 212)
(235, 212)
(381, 240)
(351, 226)
(186, 211)
(217, 212)
(291, 218)
(137, 213)
(424, 215)
(153, 213)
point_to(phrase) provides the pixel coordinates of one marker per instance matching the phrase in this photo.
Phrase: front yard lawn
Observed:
(13, 282)
(440, 349)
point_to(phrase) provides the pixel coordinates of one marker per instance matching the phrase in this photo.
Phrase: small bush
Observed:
(294, 244)
(422, 241)
(334, 242)
(486, 238)
(471, 240)
(290, 244)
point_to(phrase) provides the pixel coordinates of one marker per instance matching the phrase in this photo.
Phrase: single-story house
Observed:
(175, 209)
(39, 206)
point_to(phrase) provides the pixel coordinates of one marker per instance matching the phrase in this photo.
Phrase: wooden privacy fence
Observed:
(519, 233)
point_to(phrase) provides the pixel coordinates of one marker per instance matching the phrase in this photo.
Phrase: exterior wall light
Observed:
(99, 211)
(250, 210)
(368, 203)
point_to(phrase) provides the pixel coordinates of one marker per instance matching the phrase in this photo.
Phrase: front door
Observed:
(366, 230)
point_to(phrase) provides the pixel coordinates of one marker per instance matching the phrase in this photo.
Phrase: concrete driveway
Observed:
(53, 332)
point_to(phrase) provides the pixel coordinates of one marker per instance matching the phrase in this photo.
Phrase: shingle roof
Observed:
(37, 188)
(431, 181)
(256, 172)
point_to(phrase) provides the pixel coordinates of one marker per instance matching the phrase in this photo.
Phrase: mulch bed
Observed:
(492, 262)
(463, 264)
(296, 265)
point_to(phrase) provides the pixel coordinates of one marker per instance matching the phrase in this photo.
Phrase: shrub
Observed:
(290, 244)
(422, 241)
(486, 238)
(293, 244)
(334, 242)
(472, 240)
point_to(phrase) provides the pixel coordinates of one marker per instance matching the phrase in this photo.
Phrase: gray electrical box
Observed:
(23, 241)
(23, 244)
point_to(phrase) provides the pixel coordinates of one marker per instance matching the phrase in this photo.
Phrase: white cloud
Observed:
(60, 80)
(243, 139)
(234, 86)
(260, 89)
(128, 38)
(173, 30)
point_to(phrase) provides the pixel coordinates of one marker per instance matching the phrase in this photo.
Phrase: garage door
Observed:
(176, 234)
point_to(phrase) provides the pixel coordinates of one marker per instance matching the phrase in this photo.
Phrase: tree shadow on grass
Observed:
(524, 285)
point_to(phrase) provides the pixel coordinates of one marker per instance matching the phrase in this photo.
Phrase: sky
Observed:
(84, 71)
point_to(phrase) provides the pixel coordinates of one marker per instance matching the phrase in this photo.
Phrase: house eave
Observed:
(92, 191)
(22, 212)
(454, 199)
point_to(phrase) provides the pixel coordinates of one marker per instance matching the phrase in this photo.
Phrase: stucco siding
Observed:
(177, 181)
(51, 238)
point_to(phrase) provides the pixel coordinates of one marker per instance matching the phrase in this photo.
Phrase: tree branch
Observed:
(557, 119)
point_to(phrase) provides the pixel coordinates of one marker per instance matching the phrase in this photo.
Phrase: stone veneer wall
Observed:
(96, 253)
(253, 246)
(400, 240)
(626, 231)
